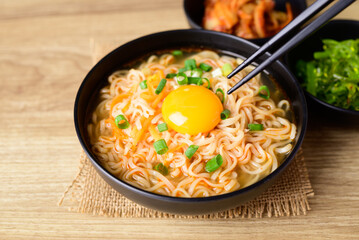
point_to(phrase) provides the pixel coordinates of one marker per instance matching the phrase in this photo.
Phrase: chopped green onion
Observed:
(205, 67)
(121, 122)
(177, 53)
(208, 82)
(162, 127)
(181, 78)
(196, 72)
(264, 88)
(161, 86)
(143, 84)
(226, 69)
(161, 168)
(225, 114)
(195, 80)
(190, 64)
(255, 127)
(200, 82)
(171, 75)
(213, 164)
(182, 69)
(191, 150)
(217, 73)
(222, 92)
(160, 147)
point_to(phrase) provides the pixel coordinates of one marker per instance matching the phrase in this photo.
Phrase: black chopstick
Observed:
(300, 36)
(296, 22)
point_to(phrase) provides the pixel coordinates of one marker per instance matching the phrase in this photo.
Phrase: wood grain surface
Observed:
(44, 55)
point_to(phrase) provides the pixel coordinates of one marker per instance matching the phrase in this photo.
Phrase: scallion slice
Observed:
(190, 64)
(226, 69)
(225, 114)
(182, 69)
(195, 80)
(208, 82)
(171, 75)
(121, 122)
(160, 147)
(205, 67)
(161, 86)
(196, 72)
(143, 84)
(181, 78)
(213, 164)
(255, 127)
(161, 168)
(191, 150)
(266, 90)
(177, 53)
(162, 127)
(217, 73)
(222, 92)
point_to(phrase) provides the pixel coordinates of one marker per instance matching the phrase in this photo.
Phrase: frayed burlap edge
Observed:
(89, 193)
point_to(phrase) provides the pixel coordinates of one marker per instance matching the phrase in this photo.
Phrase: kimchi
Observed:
(245, 18)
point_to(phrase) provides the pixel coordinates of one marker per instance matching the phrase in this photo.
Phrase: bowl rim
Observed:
(330, 106)
(326, 105)
(167, 198)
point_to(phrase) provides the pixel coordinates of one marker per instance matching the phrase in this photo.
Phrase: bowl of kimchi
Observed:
(254, 20)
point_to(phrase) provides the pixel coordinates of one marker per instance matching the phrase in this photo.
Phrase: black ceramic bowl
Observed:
(170, 40)
(194, 10)
(338, 30)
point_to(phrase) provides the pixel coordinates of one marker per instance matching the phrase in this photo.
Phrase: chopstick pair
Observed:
(300, 36)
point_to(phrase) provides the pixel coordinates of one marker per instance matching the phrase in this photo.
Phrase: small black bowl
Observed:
(194, 10)
(169, 40)
(338, 30)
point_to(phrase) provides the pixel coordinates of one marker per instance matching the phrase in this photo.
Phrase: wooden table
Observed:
(45, 54)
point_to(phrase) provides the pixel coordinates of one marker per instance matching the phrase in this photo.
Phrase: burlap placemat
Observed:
(89, 193)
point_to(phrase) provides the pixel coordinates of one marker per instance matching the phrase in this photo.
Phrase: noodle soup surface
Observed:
(167, 125)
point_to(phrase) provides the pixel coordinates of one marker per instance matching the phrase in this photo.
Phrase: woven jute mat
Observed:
(89, 193)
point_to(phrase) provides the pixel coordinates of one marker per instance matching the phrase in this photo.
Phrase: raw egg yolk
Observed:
(192, 109)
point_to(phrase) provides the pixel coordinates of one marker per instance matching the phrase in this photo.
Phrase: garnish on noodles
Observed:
(157, 130)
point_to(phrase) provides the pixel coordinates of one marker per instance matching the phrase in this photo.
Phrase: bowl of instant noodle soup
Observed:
(155, 119)
(254, 20)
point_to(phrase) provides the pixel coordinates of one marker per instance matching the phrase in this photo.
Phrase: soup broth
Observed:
(166, 125)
